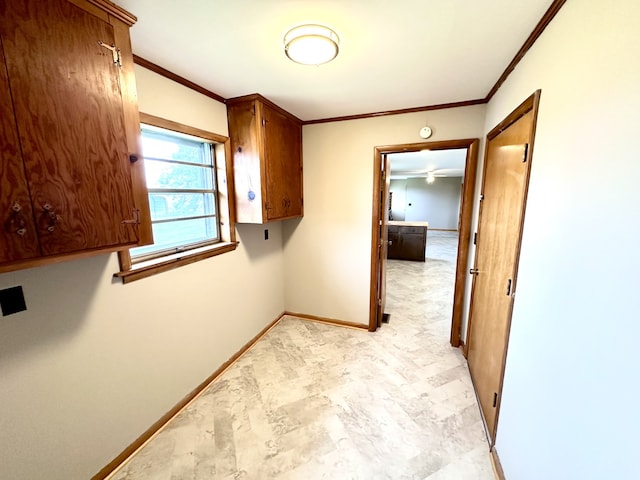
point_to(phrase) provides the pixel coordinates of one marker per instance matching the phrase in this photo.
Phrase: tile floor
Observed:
(314, 401)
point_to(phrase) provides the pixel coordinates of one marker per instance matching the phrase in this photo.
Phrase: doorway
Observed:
(502, 207)
(380, 221)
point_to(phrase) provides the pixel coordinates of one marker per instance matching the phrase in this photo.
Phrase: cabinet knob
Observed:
(17, 219)
(51, 216)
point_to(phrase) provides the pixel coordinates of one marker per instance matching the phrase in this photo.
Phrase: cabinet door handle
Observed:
(17, 219)
(51, 216)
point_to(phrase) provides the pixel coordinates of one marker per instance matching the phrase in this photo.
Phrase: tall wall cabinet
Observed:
(72, 181)
(266, 142)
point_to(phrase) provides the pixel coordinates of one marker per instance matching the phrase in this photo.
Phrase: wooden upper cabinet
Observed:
(266, 142)
(71, 159)
(18, 233)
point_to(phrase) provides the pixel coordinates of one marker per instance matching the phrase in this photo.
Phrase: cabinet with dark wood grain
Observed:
(72, 182)
(407, 241)
(266, 142)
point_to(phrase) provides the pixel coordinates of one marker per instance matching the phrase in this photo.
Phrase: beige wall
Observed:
(570, 399)
(437, 203)
(327, 253)
(93, 363)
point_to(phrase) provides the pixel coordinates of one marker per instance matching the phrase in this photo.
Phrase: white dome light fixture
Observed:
(430, 177)
(311, 44)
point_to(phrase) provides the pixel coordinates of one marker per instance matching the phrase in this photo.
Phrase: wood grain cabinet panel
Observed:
(407, 242)
(63, 68)
(266, 142)
(18, 234)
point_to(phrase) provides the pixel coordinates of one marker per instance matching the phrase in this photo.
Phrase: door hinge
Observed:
(379, 302)
(264, 122)
(115, 51)
(495, 399)
(135, 220)
(525, 153)
(475, 238)
(509, 282)
(481, 196)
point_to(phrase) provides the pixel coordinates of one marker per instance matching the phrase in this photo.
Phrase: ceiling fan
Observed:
(445, 172)
(430, 173)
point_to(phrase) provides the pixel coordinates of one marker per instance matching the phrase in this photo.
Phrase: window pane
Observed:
(158, 145)
(180, 173)
(176, 176)
(180, 205)
(181, 232)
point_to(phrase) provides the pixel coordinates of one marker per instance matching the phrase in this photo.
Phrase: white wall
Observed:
(328, 252)
(93, 363)
(437, 203)
(571, 395)
(399, 198)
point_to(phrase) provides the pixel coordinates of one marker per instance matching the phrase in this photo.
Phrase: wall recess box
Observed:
(12, 301)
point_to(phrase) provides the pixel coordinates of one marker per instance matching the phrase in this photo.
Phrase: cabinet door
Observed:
(413, 246)
(393, 249)
(18, 233)
(283, 173)
(69, 113)
(243, 131)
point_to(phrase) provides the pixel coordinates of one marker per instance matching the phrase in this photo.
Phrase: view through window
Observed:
(181, 180)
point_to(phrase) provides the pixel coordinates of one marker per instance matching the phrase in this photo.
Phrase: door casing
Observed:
(471, 144)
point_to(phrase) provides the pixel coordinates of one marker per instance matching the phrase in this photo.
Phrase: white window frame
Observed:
(152, 253)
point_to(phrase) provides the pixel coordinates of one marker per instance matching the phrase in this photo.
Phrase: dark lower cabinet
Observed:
(407, 242)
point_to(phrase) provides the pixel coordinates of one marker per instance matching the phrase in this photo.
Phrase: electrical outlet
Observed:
(12, 301)
(266, 234)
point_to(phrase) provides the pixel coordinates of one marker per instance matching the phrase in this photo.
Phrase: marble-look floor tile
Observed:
(315, 401)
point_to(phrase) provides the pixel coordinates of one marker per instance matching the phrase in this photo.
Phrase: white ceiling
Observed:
(393, 54)
(446, 163)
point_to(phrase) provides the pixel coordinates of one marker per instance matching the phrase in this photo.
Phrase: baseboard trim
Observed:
(442, 229)
(157, 427)
(329, 321)
(497, 466)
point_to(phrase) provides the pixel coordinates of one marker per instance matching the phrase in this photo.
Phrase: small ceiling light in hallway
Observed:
(311, 44)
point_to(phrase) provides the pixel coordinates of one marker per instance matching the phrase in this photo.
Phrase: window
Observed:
(188, 176)
(181, 180)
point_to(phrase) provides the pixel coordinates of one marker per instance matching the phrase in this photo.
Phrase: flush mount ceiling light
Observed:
(311, 44)
(430, 177)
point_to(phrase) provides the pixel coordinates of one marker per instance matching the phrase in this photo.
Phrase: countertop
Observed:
(398, 223)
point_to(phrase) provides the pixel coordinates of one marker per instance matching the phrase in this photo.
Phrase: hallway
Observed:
(313, 401)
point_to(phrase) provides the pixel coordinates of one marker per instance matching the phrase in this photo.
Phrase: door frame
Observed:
(464, 235)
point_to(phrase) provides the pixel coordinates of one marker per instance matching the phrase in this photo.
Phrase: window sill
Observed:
(158, 265)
